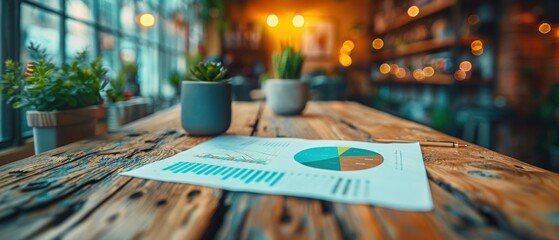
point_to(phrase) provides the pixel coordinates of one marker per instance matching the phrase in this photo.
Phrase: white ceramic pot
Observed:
(286, 96)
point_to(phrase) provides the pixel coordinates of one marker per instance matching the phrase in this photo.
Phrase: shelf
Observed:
(437, 79)
(414, 48)
(424, 11)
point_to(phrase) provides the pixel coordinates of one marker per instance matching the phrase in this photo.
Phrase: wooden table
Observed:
(75, 192)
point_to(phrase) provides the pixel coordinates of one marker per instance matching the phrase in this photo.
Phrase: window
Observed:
(108, 13)
(106, 28)
(52, 4)
(3, 108)
(41, 27)
(79, 9)
(79, 37)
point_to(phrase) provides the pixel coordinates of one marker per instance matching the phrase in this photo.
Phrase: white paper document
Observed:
(387, 175)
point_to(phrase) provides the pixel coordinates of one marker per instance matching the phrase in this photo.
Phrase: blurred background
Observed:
(483, 71)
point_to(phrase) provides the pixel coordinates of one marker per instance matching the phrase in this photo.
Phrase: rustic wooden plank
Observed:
(254, 216)
(451, 217)
(258, 216)
(189, 218)
(515, 196)
(353, 221)
(49, 203)
(151, 209)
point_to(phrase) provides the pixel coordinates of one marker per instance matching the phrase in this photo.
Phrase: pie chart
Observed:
(339, 158)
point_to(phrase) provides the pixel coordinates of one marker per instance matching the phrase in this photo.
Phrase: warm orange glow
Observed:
(477, 52)
(272, 20)
(401, 73)
(298, 21)
(418, 74)
(378, 43)
(544, 28)
(413, 11)
(394, 69)
(345, 60)
(384, 68)
(348, 46)
(465, 66)
(428, 71)
(460, 75)
(477, 45)
(147, 20)
(473, 19)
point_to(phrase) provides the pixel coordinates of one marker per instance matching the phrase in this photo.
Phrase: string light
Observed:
(466, 66)
(298, 21)
(272, 20)
(460, 75)
(378, 43)
(345, 60)
(418, 74)
(428, 71)
(544, 28)
(348, 45)
(147, 20)
(413, 11)
(394, 68)
(384, 68)
(401, 73)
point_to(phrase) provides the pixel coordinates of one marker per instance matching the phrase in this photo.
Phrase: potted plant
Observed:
(206, 100)
(287, 95)
(175, 79)
(122, 107)
(63, 100)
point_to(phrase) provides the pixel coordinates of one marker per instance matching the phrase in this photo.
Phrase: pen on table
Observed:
(436, 143)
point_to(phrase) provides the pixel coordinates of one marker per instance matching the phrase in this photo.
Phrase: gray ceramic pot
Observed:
(205, 107)
(286, 96)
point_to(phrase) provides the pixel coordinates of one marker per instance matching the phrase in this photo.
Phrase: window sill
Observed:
(13, 154)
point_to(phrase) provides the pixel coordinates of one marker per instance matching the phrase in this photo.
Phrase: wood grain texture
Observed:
(48, 195)
(74, 192)
(353, 221)
(61, 118)
(514, 196)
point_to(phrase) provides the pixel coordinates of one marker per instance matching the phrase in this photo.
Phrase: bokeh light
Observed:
(418, 74)
(544, 28)
(348, 45)
(465, 66)
(460, 75)
(477, 52)
(147, 20)
(473, 19)
(378, 43)
(345, 60)
(272, 20)
(298, 21)
(394, 68)
(384, 68)
(428, 71)
(476, 45)
(401, 73)
(413, 11)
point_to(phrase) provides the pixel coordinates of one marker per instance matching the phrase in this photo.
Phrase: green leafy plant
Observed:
(288, 63)
(175, 79)
(208, 72)
(43, 86)
(117, 93)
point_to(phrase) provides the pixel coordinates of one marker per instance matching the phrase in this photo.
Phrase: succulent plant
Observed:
(288, 63)
(208, 72)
